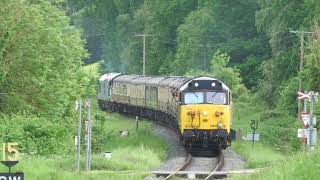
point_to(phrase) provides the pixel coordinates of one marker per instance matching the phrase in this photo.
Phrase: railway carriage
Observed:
(198, 108)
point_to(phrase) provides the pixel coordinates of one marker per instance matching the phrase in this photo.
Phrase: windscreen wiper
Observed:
(195, 96)
(214, 95)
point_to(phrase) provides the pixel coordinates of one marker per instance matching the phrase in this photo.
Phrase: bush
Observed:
(280, 130)
(36, 135)
(286, 100)
(99, 134)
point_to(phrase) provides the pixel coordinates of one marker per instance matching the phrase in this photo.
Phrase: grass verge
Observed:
(279, 151)
(259, 156)
(300, 166)
(265, 152)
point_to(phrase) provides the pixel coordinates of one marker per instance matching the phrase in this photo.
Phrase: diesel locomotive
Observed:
(198, 108)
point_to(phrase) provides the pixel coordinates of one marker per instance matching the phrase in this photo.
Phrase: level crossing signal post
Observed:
(308, 119)
(77, 138)
(87, 134)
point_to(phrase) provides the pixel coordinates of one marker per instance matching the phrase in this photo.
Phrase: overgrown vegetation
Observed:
(37, 135)
(41, 56)
(40, 59)
(277, 129)
(140, 152)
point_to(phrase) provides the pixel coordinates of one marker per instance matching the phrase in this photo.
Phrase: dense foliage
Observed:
(41, 56)
(36, 135)
(184, 35)
(40, 59)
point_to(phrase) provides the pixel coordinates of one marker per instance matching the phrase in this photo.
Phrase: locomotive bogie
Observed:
(205, 140)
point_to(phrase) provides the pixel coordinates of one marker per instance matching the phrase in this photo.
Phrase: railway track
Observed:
(181, 168)
(197, 167)
(219, 166)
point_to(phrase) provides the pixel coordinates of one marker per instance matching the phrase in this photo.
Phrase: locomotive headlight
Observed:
(196, 84)
(219, 125)
(205, 113)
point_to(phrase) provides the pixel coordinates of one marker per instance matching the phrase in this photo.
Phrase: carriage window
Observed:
(193, 97)
(216, 97)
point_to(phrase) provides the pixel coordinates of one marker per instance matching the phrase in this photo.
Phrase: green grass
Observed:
(143, 136)
(264, 153)
(140, 152)
(277, 129)
(259, 156)
(300, 166)
(243, 113)
(278, 153)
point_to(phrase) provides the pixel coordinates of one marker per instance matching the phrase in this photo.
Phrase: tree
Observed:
(229, 75)
(274, 19)
(225, 25)
(40, 58)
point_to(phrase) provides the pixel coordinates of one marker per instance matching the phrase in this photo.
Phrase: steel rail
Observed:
(218, 167)
(182, 167)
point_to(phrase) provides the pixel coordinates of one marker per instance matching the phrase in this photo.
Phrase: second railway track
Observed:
(198, 167)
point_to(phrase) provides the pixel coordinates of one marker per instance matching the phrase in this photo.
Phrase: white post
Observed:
(310, 129)
(79, 105)
(305, 103)
(88, 136)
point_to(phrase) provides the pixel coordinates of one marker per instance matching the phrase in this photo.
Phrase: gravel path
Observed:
(176, 152)
(232, 160)
(202, 164)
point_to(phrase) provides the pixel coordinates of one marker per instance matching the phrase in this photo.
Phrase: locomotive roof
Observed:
(185, 86)
(177, 82)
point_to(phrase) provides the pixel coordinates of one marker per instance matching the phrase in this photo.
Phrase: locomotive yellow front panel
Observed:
(204, 117)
